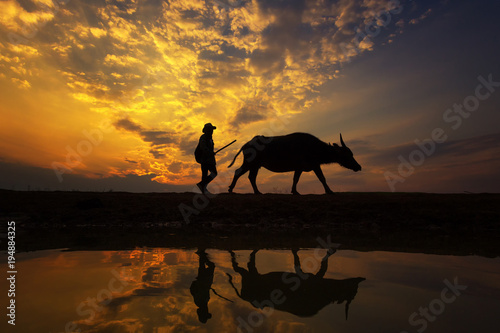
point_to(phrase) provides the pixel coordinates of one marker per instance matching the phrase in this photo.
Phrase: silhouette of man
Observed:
(206, 157)
(200, 288)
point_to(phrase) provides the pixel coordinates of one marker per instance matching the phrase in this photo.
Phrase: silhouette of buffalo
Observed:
(299, 293)
(297, 152)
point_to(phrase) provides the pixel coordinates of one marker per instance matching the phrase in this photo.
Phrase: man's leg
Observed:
(204, 175)
(213, 173)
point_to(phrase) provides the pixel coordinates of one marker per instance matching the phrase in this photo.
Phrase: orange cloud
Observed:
(168, 68)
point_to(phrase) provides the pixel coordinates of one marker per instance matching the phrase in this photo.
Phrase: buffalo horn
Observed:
(342, 141)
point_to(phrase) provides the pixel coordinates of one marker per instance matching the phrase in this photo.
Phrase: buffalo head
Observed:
(345, 157)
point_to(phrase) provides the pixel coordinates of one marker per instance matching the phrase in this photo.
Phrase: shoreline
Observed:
(415, 222)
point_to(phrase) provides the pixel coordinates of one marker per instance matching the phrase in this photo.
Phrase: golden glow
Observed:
(149, 288)
(65, 70)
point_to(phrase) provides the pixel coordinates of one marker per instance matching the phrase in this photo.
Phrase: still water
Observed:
(208, 290)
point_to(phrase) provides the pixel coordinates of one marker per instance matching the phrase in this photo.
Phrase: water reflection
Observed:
(178, 290)
(200, 288)
(302, 294)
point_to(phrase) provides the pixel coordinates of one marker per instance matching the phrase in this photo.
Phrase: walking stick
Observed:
(225, 147)
(221, 296)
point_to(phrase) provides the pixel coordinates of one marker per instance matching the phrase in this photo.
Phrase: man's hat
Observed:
(208, 126)
(203, 315)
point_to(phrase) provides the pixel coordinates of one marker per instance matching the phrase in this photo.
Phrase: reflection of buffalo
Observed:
(299, 152)
(302, 294)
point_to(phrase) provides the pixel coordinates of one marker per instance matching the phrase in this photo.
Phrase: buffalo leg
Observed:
(324, 264)
(237, 174)
(253, 177)
(322, 179)
(296, 263)
(237, 268)
(252, 269)
(296, 177)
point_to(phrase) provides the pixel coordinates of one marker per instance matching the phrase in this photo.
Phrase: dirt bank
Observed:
(469, 223)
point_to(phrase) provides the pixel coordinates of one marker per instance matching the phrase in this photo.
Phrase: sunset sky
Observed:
(112, 95)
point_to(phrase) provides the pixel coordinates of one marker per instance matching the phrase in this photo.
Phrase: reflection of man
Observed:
(200, 288)
(206, 157)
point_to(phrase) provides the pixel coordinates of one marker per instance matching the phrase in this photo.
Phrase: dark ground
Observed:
(459, 224)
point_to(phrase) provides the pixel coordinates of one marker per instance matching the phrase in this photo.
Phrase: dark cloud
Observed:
(233, 51)
(190, 14)
(15, 176)
(448, 152)
(187, 144)
(273, 7)
(304, 29)
(250, 113)
(211, 55)
(224, 77)
(157, 153)
(156, 138)
(268, 61)
(228, 53)
(175, 167)
(128, 125)
(283, 34)
(150, 274)
(28, 5)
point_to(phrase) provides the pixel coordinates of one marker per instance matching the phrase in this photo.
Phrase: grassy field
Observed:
(436, 223)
